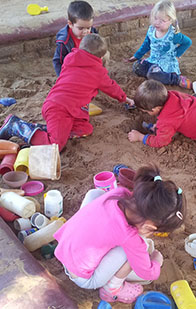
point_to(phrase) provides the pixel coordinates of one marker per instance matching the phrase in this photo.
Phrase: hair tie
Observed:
(179, 215)
(179, 191)
(157, 178)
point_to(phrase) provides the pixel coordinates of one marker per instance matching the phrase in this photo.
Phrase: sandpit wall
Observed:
(117, 33)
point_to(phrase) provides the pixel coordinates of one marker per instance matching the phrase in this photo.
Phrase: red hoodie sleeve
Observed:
(162, 138)
(111, 88)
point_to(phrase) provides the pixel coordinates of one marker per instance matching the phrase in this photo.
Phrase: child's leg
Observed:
(110, 275)
(117, 289)
(91, 195)
(156, 73)
(81, 128)
(58, 130)
(141, 67)
(59, 124)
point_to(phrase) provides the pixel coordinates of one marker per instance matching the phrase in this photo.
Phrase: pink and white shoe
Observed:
(127, 294)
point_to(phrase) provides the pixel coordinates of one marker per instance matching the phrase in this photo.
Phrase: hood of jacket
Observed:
(177, 106)
(81, 58)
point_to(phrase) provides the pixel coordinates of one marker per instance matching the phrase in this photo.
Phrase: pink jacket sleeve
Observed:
(111, 88)
(139, 259)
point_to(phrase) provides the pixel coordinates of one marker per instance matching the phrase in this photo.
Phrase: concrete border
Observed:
(47, 29)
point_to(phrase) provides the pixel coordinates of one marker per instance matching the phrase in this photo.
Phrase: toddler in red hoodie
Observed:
(175, 111)
(65, 109)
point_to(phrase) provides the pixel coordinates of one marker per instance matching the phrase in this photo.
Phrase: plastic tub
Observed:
(105, 181)
(125, 177)
(154, 300)
(15, 179)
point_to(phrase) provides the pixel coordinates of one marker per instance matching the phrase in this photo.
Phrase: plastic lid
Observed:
(33, 187)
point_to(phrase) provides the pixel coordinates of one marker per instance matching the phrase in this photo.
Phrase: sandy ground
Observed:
(30, 79)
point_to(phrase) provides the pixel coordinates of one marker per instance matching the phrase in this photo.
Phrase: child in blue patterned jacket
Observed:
(166, 43)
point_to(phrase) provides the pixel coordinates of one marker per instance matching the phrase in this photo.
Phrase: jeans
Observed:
(149, 70)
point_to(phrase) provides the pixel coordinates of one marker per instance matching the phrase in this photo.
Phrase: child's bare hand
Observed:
(132, 59)
(130, 102)
(157, 256)
(135, 136)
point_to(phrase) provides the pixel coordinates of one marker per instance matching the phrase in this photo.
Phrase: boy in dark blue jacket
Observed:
(80, 20)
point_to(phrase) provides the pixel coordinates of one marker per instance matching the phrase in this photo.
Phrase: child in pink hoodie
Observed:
(103, 245)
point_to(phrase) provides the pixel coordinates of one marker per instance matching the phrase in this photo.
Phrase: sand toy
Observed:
(35, 9)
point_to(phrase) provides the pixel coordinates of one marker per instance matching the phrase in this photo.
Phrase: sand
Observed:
(29, 80)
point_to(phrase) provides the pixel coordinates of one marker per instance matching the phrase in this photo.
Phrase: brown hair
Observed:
(79, 10)
(94, 44)
(150, 94)
(160, 201)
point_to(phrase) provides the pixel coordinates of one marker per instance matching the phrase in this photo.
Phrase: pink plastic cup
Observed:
(105, 181)
(7, 163)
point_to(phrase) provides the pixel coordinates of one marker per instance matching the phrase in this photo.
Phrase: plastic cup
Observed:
(7, 164)
(22, 161)
(105, 181)
(15, 179)
(125, 177)
(38, 220)
(22, 224)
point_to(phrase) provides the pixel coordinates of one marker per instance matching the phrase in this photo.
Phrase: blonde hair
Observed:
(167, 7)
(94, 44)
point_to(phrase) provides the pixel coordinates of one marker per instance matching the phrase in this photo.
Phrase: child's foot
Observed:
(127, 293)
(185, 82)
(75, 136)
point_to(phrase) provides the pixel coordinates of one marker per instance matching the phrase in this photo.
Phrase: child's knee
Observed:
(152, 72)
(140, 68)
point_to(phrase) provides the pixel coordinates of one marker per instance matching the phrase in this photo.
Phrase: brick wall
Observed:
(117, 35)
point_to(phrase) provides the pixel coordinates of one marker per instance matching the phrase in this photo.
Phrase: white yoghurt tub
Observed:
(53, 204)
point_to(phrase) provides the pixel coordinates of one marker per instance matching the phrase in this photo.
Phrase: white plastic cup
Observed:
(22, 224)
(38, 220)
(53, 203)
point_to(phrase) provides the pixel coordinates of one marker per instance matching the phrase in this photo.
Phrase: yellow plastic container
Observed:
(94, 110)
(22, 161)
(183, 295)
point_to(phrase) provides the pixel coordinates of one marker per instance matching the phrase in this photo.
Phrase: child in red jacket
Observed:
(65, 108)
(176, 112)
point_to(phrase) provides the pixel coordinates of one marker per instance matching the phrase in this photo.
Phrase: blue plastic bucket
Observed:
(154, 300)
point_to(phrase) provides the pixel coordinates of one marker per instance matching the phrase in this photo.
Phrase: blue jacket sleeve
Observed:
(144, 48)
(183, 41)
(59, 56)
